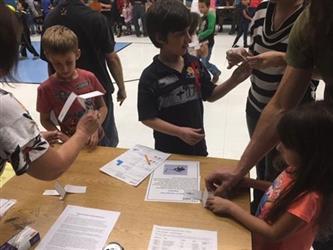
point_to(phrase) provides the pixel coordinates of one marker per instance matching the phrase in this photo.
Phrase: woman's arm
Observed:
(53, 162)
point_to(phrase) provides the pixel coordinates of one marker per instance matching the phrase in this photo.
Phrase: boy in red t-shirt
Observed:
(60, 46)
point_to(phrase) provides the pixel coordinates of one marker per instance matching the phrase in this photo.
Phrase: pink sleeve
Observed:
(307, 207)
(43, 105)
(213, 4)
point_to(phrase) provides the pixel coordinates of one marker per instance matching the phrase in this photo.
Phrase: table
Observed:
(134, 226)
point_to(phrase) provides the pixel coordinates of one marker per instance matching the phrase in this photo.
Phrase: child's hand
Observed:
(191, 135)
(62, 137)
(235, 56)
(93, 140)
(241, 73)
(53, 137)
(219, 206)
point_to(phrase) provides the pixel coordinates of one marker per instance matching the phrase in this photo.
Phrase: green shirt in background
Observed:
(207, 28)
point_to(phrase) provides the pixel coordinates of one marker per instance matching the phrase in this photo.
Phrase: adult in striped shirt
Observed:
(270, 28)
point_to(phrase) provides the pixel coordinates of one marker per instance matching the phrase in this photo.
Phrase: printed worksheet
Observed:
(170, 238)
(175, 181)
(80, 228)
(135, 164)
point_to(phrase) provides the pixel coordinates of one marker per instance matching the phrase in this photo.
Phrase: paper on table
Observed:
(173, 180)
(51, 192)
(170, 238)
(135, 164)
(5, 205)
(68, 189)
(80, 228)
(71, 98)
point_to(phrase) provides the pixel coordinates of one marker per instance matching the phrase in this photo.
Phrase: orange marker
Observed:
(147, 159)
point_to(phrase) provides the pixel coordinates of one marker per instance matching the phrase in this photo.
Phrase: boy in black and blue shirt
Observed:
(172, 88)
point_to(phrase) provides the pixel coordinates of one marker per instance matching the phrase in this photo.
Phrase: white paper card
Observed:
(51, 192)
(175, 181)
(91, 95)
(170, 238)
(61, 191)
(71, 98)
(81, 98)
(205, 196)
(135, 164)
(5, 205)
(75, 189)
(80, 228)
(68, 189)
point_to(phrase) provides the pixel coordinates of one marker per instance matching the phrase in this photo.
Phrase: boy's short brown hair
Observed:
(59, 40)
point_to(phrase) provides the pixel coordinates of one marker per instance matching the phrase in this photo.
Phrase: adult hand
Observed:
(121, 96)
(235, 56)
(242, 72)
(219, 206)
(267, 59)
(88, 123)
(222, 182)
(191, 135)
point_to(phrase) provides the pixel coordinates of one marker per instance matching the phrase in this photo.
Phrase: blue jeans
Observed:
(209, 66)
(110, 138)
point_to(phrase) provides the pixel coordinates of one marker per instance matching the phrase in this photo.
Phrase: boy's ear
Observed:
(160, 39)
(78, 54)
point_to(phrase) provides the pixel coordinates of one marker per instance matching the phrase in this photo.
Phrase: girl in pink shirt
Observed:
(296, 207)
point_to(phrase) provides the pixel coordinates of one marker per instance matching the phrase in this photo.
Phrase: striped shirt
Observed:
(264, 82)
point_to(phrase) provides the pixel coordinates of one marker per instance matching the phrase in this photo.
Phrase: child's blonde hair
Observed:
(59, 40)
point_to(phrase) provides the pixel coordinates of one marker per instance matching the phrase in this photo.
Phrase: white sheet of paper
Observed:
(170, 238)
(171, 181)
(75, 189)
(51, 192)
(132, 166)
(80, 228)
(71, 98)
(205, 196)
(5, 205)
(68, 189)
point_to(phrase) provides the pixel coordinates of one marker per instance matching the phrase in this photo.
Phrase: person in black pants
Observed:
(243, 26)
(139, 12)
(237, 12)
(25, 37)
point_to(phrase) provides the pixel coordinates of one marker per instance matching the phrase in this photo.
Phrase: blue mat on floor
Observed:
(35, 71)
